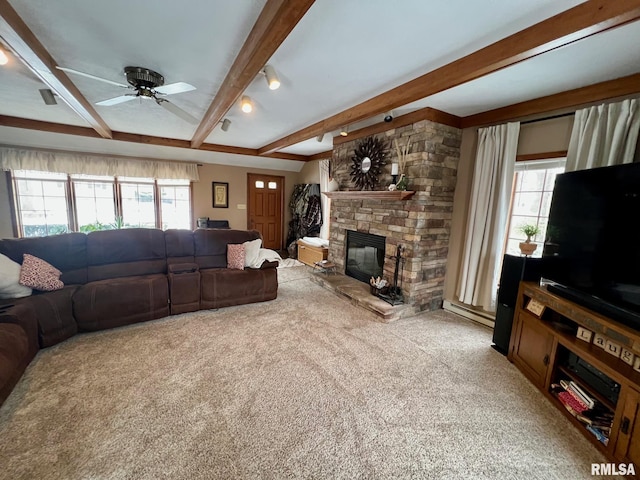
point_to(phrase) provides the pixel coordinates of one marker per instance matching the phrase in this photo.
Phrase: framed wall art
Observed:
(220, 192)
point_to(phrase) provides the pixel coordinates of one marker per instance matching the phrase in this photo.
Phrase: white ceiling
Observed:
(340, 54)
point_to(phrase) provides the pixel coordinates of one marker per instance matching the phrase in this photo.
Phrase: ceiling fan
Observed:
(146, 84)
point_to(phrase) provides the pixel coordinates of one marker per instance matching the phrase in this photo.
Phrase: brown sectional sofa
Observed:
(119, 277)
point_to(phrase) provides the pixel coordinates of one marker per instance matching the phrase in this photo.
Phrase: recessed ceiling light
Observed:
(246, 104)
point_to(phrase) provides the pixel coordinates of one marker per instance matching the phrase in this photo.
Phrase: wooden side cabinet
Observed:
(532, 349)
(628, 443)
(545, 346)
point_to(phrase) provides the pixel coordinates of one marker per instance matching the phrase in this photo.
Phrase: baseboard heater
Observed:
(483, 318)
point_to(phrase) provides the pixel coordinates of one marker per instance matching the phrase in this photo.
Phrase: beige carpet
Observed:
(306, 386)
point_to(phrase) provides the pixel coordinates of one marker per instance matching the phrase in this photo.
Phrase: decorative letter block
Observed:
(627, 356)
(600, 340)
(613, 348)
(584, 334)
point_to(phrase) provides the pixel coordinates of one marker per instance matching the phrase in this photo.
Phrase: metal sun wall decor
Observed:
(367, 163)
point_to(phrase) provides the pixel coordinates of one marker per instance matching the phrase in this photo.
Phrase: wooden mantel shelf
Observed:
(368, 195)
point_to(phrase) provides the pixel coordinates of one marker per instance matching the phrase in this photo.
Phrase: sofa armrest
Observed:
(183, 268)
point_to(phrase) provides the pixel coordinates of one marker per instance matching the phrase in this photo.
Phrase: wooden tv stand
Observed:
(543, 346)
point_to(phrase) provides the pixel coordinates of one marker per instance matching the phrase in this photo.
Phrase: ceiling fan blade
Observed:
(88, 75)
(167, 105)
(172, 88)
(116, 100)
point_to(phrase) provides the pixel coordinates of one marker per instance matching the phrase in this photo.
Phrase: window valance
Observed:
(12, 158)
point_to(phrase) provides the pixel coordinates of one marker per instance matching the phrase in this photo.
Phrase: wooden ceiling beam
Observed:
(275, 23)
(619, 87)
(25, 46)
(582, 21)
(15, 122)
(426, 113)
(321, 155)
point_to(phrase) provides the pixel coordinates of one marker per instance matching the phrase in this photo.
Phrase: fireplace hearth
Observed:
(364, 256)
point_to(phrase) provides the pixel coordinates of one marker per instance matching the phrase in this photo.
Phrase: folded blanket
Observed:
(316, 241)
(265, 255)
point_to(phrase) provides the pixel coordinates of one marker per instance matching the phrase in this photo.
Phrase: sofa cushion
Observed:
(54, 314)
(224, 287)
(179, 245)
(121, 301)
(125, 253)
(10, 279)
(37, 274)
(23, 315)
(235, 256)
(211, 245)
(66, 252)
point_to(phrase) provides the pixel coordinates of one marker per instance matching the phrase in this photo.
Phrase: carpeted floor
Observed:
(306, 386)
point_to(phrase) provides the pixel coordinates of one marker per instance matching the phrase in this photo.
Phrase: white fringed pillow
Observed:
(10, 279)
(39, 275)
(251, 253)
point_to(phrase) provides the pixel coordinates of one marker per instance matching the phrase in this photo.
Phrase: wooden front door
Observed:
(265, 208)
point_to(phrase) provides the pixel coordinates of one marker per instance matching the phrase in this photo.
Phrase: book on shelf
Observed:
(598, 434)
(577, 392)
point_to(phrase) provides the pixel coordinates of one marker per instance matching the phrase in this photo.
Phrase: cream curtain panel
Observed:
(488, 212)
(325, 201)
(86, 164)
(604, 135)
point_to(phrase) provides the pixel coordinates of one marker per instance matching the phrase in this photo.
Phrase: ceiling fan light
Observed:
(4, 59)
(246, 104)
(226, 123)
(272, 78)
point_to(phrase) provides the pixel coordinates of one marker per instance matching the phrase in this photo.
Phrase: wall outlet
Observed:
(241, 206)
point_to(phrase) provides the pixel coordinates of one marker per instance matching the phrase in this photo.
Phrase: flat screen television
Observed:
(592, 251)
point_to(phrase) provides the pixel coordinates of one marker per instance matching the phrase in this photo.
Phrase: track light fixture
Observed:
(226, 123)
(272, 78)
(388, 117)
(3, 57)
(344, 131)
(320, 137)
(246, 104)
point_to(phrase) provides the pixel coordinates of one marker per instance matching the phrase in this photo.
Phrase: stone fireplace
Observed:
(419, 222)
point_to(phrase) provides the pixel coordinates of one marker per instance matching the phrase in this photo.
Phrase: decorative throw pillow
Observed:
(251, 252)
(39, 275)
(235, 256)
(10, 279)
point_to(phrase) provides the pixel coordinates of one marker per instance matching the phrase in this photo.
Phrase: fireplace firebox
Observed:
(364, 255)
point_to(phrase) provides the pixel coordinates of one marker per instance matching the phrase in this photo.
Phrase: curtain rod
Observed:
(548, 118)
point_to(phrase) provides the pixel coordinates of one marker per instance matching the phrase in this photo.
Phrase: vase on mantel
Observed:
(333, 185)
(402, 183)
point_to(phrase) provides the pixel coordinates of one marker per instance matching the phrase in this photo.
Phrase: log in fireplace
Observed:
(364, 255)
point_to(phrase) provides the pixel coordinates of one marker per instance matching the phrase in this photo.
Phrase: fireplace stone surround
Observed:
(420, 223)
